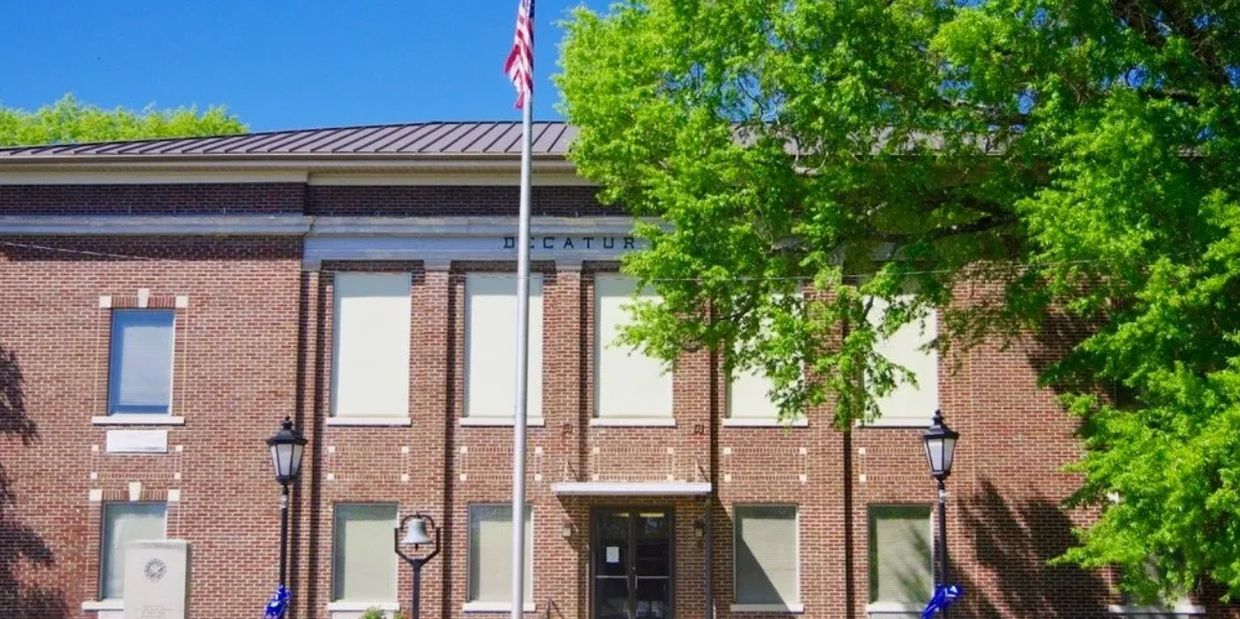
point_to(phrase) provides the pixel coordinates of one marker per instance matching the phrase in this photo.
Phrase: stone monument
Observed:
(156, 579)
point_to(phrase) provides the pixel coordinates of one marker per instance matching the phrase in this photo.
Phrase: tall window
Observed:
(490, 346)
(490, 554)
(124, 523)
(909, 404)
(370, 369)
(628, 383)
(766, 557)
(749, 397)
(363, 565)
(901, 555)
(140, 365)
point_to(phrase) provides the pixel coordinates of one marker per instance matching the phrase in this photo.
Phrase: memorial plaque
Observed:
(156, 579)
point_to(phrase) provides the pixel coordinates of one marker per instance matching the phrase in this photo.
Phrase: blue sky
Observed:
(279, 63)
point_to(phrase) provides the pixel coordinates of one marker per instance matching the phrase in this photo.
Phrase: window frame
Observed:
(533, 395)
(103, 543)
(115, 353)
(472, 605)
(335, 571)
(597, 417)
(740, 606)
(887, 607)
(367, 418)
(906, 420)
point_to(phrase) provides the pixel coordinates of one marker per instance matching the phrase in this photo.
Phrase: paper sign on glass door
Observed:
(613, 554)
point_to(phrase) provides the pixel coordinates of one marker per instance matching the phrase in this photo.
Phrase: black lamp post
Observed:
(287, 447)
(940, 449)
(415, 535)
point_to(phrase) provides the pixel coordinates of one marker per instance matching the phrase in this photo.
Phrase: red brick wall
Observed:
(170, 199)
(255, 344)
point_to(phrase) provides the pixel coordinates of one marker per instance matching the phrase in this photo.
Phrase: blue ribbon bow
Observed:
(278, 603)
(944, 596)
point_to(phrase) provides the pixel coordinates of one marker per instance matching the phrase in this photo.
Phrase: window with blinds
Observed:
(909, 404)
(490, 554)
(124, 523)
(370, 345)
(140, 364)
(901, 556)
(767, 556)
(490, 345)
(363, 564)
(627, 382)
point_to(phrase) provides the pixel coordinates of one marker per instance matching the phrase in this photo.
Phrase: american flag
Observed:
(520, 63)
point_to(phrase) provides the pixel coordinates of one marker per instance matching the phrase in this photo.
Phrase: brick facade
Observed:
(254, 344)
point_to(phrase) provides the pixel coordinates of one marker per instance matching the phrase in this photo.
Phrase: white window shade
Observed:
(901, 550)
(766, 541)
(908, 404)
(363, 563)
(124, 523)
(491, 345)
(490, 554)
(749, 396)
(370, 369)
(628, 383)
(140, 379)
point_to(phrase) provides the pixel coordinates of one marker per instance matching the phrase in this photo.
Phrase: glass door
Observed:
(632, 563)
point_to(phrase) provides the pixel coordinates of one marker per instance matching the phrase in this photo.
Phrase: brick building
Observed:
(164, 304)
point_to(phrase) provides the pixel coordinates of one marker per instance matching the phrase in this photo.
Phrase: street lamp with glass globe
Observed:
(940, 442)
(287, 446)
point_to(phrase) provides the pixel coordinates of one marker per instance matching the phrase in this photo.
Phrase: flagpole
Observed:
(523, 336)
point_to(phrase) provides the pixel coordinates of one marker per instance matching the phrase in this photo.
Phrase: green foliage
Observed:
(1079, 159)
(69, 121)
(376, 613)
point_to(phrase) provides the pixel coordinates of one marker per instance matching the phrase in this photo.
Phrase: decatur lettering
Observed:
(575, 242)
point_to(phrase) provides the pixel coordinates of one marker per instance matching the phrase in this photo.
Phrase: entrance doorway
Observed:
(631, 563)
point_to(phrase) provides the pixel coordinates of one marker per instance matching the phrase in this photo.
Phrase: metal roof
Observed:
(429, 139)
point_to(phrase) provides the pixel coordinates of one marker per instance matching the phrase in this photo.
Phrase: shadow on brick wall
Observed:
(22, 550)
(1013, 541)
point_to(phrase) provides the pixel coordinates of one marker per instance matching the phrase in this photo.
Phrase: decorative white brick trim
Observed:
(144, 297)
(182, 302)
(174, 495)
(135, 490)
(105, 302)
(95, 495)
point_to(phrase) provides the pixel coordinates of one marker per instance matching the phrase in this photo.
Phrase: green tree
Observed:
(69, 121)
(1081, 158)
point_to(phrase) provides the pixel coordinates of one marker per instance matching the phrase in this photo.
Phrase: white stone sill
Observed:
(369, 421)
(768, 608)
(633, 422)
(496, 607)
(1140, 611)
(500, 422)
(759, 422)
(880, 609)
(345, 606)
(137, 420)
(95, 605)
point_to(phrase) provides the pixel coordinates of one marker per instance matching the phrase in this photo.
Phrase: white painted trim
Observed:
(630, 488)
(918, 423)
(345, 420)
(137, 420)
(96, 605)
(127, 225)
(633, 422)
(362, 606)
(768, 608)
(495, 607)
(161, 177)
(761, 422)
(500, 422)
(1138, 611)
(484, 179)
(891, 608)
(470, 226)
